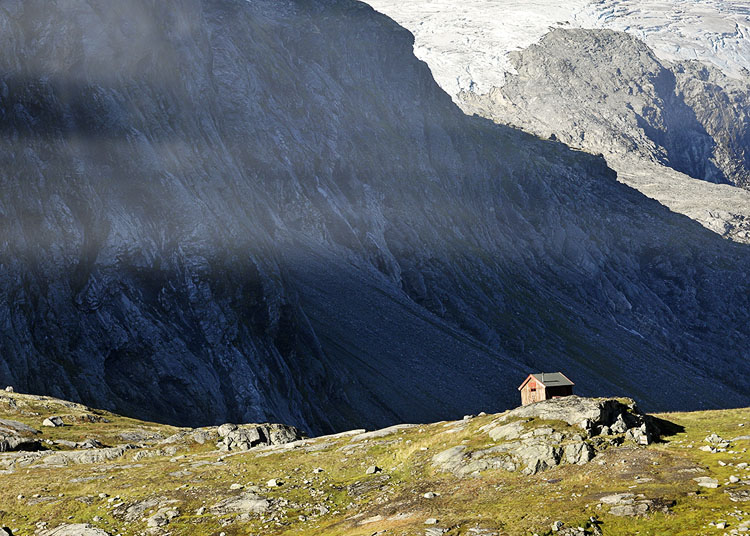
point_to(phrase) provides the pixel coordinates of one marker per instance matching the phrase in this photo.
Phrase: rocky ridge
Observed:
(607, 92)
(31, 451)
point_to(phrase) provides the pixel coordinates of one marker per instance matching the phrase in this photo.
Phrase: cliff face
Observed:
(231, 210)
(661, 126)
(606, 91)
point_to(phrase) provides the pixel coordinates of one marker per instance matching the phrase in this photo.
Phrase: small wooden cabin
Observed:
(544, 386)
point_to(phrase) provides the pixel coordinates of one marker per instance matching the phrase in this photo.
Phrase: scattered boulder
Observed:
(590, 529)
(5, 531)
(363, 487)
(86, 418)
(627, 504)
(10, 389)
(707, 482)
(138, 436)
(86, 444)
(537, 457)
(90, 443)
(373, 469)
(162, 517)
(630, 510)
(738, 495)
(53, 422)
(89, 456)
(640, 436)
(225, 429)
(716, 443)
(578, 453)
(18, 427)
(130, 513)
(240, 438)
(248, 436)
(11, 441)
(247, 503)
(79, 529)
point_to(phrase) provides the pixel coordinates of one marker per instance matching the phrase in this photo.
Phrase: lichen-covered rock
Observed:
(578, 453)
(593, 416)
(520, 443)
(537, 457)
(95, 455)
(248, 436)
(241, 439)
(18, 426)
(12, 441)
(247, 503)
(162, 517)
(79, 529)
(512, 430)
(53, 422)
(707, 482)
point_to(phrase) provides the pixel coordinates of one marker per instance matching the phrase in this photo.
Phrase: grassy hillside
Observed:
(181, 486)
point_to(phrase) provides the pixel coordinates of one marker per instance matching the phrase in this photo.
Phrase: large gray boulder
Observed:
(247, 436)
(53, 422)
(16, 435)
(18, 426)
(538, 456)
(78, 529)
(247, 503)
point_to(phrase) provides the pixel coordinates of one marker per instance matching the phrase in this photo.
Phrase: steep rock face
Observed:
(469, 48)
(268, 211)
(607, 92)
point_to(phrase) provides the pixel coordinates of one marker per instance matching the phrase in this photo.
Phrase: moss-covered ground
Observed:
(343, 499)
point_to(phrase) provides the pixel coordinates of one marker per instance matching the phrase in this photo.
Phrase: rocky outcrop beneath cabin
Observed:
(543, 435)
(593, 416)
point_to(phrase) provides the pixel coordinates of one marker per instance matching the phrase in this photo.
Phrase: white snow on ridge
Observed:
(466, 42)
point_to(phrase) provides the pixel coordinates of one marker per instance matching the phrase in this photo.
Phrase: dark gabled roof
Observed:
(548, 379)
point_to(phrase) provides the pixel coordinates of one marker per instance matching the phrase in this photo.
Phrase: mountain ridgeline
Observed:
(607, 92)
(222, 210)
